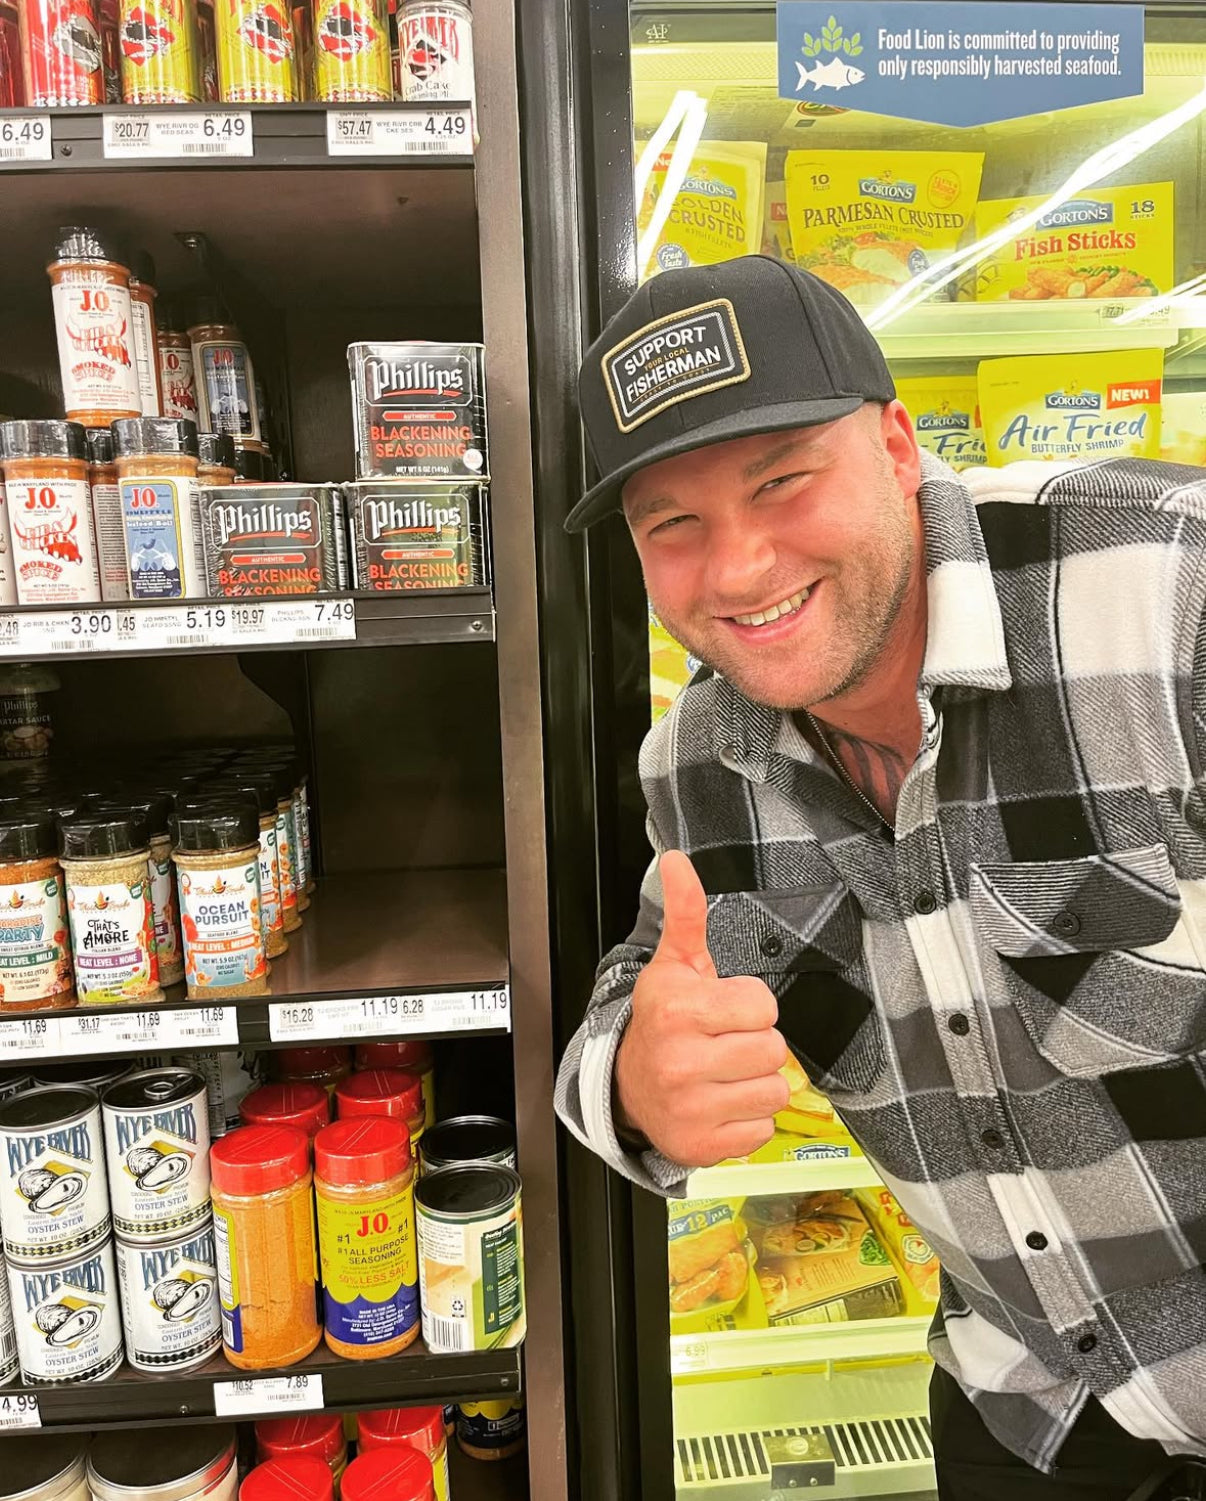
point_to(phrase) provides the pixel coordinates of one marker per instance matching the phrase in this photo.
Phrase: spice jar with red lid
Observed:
(418, 1428)
(306, 1107)
(391, 1474)
(288, 1478)
(325, 1066)
(413, 1056)
(317, 1435)
(384, 1091)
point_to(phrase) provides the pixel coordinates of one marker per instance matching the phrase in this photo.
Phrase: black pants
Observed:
(1099, 1460)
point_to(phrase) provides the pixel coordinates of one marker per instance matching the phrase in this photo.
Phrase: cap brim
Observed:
(605, 496)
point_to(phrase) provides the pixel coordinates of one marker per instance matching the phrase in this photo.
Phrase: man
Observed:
(932, 818)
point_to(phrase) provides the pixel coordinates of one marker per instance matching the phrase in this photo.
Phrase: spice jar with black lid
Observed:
(216, 464)
(104, 857)
(217, 855)
(158, 809)
(35, 960)
(262, 788)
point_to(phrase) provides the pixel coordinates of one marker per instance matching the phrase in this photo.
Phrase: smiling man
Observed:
(931, 818)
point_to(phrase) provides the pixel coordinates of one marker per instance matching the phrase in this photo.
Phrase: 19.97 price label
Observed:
(392, 1015)
(436, 130)
(25, 138)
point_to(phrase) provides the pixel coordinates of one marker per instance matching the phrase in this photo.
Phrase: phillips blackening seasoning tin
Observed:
(419, 411)
(407, 535)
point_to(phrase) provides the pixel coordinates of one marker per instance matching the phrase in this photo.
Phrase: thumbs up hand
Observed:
(697, 1071)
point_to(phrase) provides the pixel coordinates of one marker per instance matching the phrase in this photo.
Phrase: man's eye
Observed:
(784, 479)
(664, 526)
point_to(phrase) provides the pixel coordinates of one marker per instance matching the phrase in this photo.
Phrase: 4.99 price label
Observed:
(19, 1410)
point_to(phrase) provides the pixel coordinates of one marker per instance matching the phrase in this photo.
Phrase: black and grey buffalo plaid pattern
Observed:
(1007, 1001)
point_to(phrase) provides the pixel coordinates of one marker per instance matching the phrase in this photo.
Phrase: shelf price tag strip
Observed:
(18, 1410)
(391, 1015)
(101, 628)
(193, 133)
(30, 1037)
(25, 138)
(438, 131)
(132, 1031)
(270, 1394)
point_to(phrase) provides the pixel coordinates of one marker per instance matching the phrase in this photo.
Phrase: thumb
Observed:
(684, 937)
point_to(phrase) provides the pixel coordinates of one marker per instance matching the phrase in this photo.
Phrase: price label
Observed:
(183, 627)
(30, 1037)
(139, 1031)
(91, 628)
(19, 1410)
(189, 133)
(440, 130)
(391, 1015)
(271, 1394)
(25, 138)
(271, 621)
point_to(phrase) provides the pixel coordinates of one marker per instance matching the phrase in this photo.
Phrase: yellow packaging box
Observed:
(712, 1286)
(946, 417)
(671, 667)
(1183, 427)
(1072, 406)
(869, 221)
(1106, 243)
(908, 1248)
(776, 232)
(716, 214)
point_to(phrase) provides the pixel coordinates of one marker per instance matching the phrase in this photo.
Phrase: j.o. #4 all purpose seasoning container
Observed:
(104, 857)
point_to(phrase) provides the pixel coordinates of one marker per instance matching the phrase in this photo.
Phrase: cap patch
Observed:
(683, 355)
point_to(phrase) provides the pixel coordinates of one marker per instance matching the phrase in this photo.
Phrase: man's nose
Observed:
(740, 556)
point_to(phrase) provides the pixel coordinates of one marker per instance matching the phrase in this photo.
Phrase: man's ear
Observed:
(900, 444)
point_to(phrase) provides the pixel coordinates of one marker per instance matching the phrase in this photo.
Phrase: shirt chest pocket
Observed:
(1103, 958)
(806, 944)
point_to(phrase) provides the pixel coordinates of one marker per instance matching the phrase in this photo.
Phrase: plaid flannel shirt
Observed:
(1007, 1001)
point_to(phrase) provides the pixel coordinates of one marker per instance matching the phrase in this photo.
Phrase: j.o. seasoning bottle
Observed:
(50, 513)
(8, 579)
(104, 858)
(260, 1183)
(106, 515)
(384, 1091)
(175, 365)
(217, 855)
(146, 340)
(157, 475)
(94, 325)
(35, 961)
(226, 401)
(364, 1186)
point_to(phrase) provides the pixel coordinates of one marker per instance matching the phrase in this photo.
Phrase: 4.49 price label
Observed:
(391, 1015)
(437, 130)
(25, 138)
(178, 135)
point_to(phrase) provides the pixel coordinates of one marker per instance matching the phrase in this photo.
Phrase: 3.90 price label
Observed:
(25, 138)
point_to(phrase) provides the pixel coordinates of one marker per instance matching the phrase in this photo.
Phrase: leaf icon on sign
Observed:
(853, 45)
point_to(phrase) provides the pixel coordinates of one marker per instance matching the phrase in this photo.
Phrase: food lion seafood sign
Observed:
(955, 64)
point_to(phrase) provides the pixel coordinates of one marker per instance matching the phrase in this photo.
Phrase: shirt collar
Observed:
(965, 639)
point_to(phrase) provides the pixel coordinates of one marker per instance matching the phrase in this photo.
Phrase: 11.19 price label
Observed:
(392, 1015)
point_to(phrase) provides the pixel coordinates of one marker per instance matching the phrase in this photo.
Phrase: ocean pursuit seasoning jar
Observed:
(264, 1222)
(106, 515)
(50, 513)
(104, 857)
(35, 962)
(364, 1187)
(54, 1197)
(157, 475)
(94, 325)
(61, 52)
(217, 857)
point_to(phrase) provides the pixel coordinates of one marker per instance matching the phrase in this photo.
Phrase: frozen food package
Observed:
(1105, 243)
(1072, 406)
(946, 417)
(1183, 427)
(717, 212)
(776, 233)
(671, 667)
(869, 221)
(908, 1248)
(709, 1254)
(819, 1260)
(808, 1112)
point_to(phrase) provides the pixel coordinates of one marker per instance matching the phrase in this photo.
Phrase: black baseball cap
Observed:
(709, 353)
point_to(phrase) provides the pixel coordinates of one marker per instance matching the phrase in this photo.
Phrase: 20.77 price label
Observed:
(178, 134)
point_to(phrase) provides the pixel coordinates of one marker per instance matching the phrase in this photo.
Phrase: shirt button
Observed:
(1066, 924)
(925, 902)
(959, 1024)
(771, 945)
(992, 1139)
(1036, 1240)
(1086, 1343)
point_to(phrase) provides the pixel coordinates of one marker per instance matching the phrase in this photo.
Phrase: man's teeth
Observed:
(785, 607)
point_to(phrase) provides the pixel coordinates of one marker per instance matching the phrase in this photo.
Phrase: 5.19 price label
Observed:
(25, 138)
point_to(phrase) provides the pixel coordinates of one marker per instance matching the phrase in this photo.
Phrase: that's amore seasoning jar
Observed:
(162, 876)
(35, 961)
(104, 858)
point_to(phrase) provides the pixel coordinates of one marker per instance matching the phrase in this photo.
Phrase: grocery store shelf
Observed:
(381, 954)
(283, 135)
(145, 628)
(494, 1480)
(798, 1345)
(983, 330)
(132, 1399)
(810, 1175)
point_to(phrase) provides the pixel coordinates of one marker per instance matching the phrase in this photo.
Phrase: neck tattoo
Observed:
(876, 772)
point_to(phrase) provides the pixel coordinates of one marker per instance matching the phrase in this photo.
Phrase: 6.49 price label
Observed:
(25, 138)
(178, 134)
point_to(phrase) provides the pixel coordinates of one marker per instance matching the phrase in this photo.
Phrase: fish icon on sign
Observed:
(834, 74)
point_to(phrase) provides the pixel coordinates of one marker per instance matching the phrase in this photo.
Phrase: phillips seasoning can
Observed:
(419, 411)
(407, 534)
(52, 1176)
(157, 1148)
(169, 1298)
(67, 1317)
(159, 53)
(269, 539)
(435, 39)
(470, 1258)
(61, 52)
(255, 51)
(351, 51)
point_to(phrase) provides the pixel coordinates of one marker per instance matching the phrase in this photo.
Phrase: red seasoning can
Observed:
(61, 52)
(288, 1479)
(12, 74)
(319, 1436)
(387, 1475)
(305, 1106)
(418, 1428)
(384, 1091)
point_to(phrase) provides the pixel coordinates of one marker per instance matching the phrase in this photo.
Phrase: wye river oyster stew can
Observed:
(54, 1197)
(67, 1316)
(157, 1147)
(169, 1299)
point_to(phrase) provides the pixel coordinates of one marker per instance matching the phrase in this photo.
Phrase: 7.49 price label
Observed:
(487, 1009)
(25, 138)
(434, 130)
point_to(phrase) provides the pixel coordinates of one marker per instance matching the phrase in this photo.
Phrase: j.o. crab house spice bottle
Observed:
(94, 324)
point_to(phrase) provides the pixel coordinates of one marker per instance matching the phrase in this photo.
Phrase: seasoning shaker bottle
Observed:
(104, 857)
(50, 513)
(157, 476)
(35, 959)
(272, 914)
(217, 459)
(93, 319)
(176, 379)
(8, 578)
(225, 377)
(217, 855)
(106, 515)
(146, 340)
(157, 808)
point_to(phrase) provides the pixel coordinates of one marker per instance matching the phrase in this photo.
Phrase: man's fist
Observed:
(697, 1070)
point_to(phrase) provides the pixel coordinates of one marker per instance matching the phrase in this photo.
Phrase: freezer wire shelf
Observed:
(903, 1336)
(865, 1457)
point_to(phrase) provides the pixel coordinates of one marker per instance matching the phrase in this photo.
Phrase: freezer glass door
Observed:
(1012, 203)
